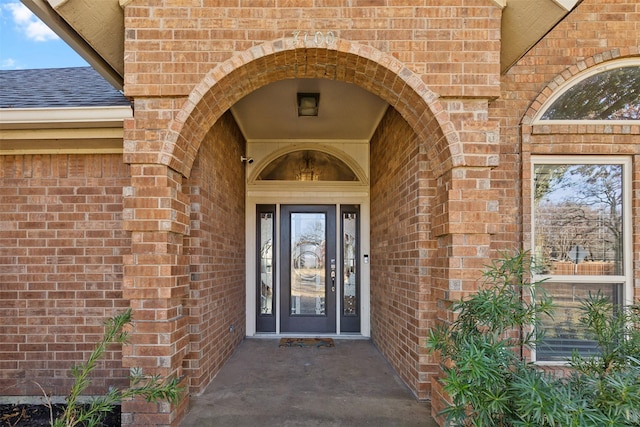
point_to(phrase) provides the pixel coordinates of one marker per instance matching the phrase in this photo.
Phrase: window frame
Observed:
(626, 279)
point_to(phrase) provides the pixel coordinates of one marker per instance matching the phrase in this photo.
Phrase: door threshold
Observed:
(266, 335)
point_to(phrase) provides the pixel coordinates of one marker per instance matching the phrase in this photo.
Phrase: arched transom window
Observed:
(605, 93)
(307, 165)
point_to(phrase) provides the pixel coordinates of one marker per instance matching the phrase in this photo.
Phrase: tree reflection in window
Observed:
(609, 95)
(578, 218)
(577, 231)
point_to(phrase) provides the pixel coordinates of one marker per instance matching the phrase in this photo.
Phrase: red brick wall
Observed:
(402, 304)
(216, 248)
(454, 44)
(597, 31)
(61, 248)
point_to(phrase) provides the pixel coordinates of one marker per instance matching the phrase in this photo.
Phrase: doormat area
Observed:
(306, 342)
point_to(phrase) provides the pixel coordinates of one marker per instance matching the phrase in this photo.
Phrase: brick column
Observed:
(465, 218)
(156, 284)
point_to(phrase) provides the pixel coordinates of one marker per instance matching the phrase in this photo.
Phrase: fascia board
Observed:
(566, 4)
(13, 118)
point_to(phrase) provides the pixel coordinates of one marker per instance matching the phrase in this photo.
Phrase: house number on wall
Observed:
(318, 38)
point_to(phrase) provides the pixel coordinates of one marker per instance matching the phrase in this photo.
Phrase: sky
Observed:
(26, 42)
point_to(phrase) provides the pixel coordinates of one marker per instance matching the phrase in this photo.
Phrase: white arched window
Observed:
(609, 92)
(581, 239)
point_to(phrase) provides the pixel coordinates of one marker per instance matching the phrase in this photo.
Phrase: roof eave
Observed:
(525, 23)
(112, 72)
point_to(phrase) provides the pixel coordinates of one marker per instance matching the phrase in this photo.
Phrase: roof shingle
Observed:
(57, 88)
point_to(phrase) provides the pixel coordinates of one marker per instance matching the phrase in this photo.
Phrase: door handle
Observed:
(333, 275)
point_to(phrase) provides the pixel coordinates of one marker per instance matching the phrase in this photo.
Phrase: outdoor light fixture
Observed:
(308, 104)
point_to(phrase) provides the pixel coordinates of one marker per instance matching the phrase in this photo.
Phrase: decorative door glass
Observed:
(350, 257)
(266, 263)
(308, 260)
(265, 268)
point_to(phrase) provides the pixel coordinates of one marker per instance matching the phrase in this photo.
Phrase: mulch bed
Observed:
(38, 415)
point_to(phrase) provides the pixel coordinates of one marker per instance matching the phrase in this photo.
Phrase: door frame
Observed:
(318, 196)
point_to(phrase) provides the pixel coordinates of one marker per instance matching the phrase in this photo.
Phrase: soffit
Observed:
(525, 22)
(94, 29)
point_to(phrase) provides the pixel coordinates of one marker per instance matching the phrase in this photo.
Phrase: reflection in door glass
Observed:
(308, 292)
(266, 263)
(350, 250)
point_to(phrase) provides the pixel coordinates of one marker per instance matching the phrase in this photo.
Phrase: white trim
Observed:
(15, 118)
(282, 198)
(324, 141)
(566, 4)
(627, 278)
(27, 151)
(572, 81)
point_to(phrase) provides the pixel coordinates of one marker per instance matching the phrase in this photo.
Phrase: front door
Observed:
(308, 274)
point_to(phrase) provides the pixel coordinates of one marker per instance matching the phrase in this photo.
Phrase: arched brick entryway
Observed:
(375, 71)
(440, 178)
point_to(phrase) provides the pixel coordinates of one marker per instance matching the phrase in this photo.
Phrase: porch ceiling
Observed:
(345, 112)
(95, 29)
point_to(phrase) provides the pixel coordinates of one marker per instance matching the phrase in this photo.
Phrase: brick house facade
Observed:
(166, 225)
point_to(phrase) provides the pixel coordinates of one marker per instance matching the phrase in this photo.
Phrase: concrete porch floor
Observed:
(350, 384)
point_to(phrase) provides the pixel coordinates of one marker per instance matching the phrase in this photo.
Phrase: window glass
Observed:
(350, 267)
(565, 334)
(609, 95)
(578, 231)
(578, 219)
(308, 259)
(265, 261)
(307, 165)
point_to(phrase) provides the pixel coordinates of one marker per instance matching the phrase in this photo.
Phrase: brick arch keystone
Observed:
(369, 68)
(572, 71)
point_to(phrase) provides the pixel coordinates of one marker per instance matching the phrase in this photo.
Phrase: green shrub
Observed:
(151, 388)
(491, 384)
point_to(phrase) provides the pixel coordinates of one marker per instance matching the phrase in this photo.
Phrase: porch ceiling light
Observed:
(308, 104)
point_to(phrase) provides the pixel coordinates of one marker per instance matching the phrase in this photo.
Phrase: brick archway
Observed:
(157, 208)
(369, 68)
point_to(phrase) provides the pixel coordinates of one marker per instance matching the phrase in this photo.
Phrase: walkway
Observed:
(347, 385)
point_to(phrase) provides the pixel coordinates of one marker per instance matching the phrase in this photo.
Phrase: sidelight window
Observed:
(266, 268)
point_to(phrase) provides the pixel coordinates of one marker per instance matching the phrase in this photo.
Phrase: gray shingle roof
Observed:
(57, 88)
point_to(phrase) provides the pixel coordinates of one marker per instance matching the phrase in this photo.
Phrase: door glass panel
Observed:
(308, 239)
(349, 251)
(266, 263)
